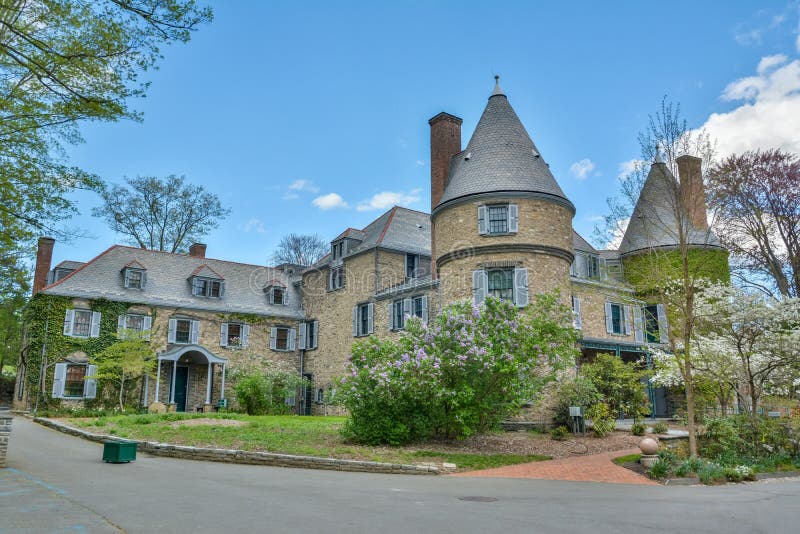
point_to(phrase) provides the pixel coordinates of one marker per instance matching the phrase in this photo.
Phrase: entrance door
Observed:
(181, 381)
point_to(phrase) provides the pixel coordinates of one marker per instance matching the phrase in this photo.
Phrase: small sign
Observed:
(575, 411)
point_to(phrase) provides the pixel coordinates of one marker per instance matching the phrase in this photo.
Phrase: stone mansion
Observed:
(499, 226)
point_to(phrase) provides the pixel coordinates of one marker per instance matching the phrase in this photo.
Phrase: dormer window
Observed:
(585, 266)
(134, 275)
(276, 292)
(206, 282)
(206, 287)
(337, 250)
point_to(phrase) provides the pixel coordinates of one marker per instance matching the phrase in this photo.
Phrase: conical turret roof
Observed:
(654, 223)
(500, 157)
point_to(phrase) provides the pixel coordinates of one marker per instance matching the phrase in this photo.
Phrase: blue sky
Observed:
(277, 106)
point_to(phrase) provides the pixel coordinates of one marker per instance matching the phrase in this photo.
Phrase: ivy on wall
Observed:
(650, 271)
(46, 343)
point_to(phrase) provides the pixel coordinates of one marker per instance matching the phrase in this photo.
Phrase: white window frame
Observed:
(207, 291)
(625, 314)
(123, 325)
(336, 282)
(291, 339)
(194, 331)
(359, 310)
(94, 323)
(225, 338)
(512, 219)
(284, 295)
(60, 377)
(127, 278)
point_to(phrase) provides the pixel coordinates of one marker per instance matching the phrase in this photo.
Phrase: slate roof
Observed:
(69, 264)
(167, 283)
(653, 223)
(579, 243)
(400, 229)
(499, 157)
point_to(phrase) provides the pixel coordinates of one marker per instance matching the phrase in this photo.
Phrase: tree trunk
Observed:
(122, 394)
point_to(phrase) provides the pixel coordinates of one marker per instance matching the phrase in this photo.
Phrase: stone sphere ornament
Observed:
(648, 446)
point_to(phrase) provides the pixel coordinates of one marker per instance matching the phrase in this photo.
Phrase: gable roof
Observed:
(400, 229)
(69, 265)
(167, 283)
(205, 271)
(654, 223)
(500, 157)
(579, 243)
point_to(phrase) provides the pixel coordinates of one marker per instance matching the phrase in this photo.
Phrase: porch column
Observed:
(172, 388)
(222, 391)
(208, 384)
(146, 389)
(158, 379)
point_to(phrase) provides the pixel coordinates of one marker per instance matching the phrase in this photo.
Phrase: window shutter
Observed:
(513, 218)
(147, 326)
(50, 277)
(223, 335)
(245, 335)
(126, 278)
(95, 332)
(120, 326)
(408, 309)
(69, 318)
(479, 283)
(627, 316)
(89, 383)
(59, 376)
(573, 270)
(285, 296)
(195, 332)
(663, 324)
(222, 289)
(273, 338)
(391, 316)
(521, 287)
(292, 339)
(355, 321)
(425, 309)
(370, 318)
(272, 295)
(315, 326)
(576, 310)
(609, 319)
(482, 220)
(144, 279)
(301, 342)
(173, 325)
(638, 325)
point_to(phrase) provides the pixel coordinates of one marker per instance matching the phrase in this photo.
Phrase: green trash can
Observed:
(117, 452)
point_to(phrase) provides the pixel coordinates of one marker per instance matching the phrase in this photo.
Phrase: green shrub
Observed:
(739, 473)
(560, 433)
(689, 466)
(265, 392)
(668, 456)
(638, 429)
(619, 383)
(661, 469)
(464, 372)
(577, 391)
(602, 420)
(736, 440)
(712, 473)
(660, 428)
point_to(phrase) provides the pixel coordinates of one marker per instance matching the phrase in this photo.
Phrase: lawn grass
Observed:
(628, 458)
(289, 434)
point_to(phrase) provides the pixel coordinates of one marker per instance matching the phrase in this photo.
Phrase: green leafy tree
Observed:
(158, 214)
(621, 384)
(63, 62)
(125, 361)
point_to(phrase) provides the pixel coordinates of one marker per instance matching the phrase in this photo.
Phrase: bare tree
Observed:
(158, 214)
(756, 197)
(300, 249)
(666, 229)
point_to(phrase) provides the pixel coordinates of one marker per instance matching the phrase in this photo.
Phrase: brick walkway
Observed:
(590, 468)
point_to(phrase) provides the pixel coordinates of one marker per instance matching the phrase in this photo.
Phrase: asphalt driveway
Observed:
(58, 483)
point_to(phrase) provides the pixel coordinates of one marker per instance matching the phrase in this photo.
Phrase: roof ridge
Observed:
(386, 227)
(190, 256)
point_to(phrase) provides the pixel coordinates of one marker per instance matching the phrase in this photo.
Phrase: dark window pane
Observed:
(498, 219)
(399, 319)
(616, 318)
(234, 334)
(183, 329)
(83, 323)
(282, 339)
(73, 384)
(501, 284)
(134, 322)
(364, 313)
(418, 307)
(651, 324)
(277, 296)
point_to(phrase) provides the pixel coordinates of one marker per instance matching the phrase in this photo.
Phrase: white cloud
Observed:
(797, 44)
(769, 109)
(329, 201)
(420, 162)
(581, 169)
(254, 225)
(627, 167)
(619, 233)
(387, 199)
(303, 185)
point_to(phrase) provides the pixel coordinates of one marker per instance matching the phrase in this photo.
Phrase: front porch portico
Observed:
(187, 356)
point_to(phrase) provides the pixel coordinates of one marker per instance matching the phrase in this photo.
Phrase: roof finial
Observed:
(658, 156)
(497, 90)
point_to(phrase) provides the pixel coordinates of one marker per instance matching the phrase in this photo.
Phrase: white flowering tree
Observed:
(745, 342)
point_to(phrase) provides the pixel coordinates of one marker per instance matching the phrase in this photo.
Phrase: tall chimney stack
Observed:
(44, 257)
(692, 190)
(445, 142)
(198, 250)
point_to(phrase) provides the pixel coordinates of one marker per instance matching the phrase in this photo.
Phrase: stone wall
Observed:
(593, 297)
(5, 435)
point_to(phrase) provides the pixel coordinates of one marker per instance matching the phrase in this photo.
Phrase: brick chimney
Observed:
(44, 257)
(445, 142)
(692, 190)
(198, 250)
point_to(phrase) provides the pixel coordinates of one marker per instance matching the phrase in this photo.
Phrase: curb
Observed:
(246, 457)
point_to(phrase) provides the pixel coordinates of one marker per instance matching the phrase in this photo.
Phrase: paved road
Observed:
(57, 483)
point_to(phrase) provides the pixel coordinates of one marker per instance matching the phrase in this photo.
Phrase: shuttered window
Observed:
(498, 219)
(134, 278)
(501, 284)
(73, 382)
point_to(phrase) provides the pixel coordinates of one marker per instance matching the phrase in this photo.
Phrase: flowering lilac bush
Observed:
(464, 372)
